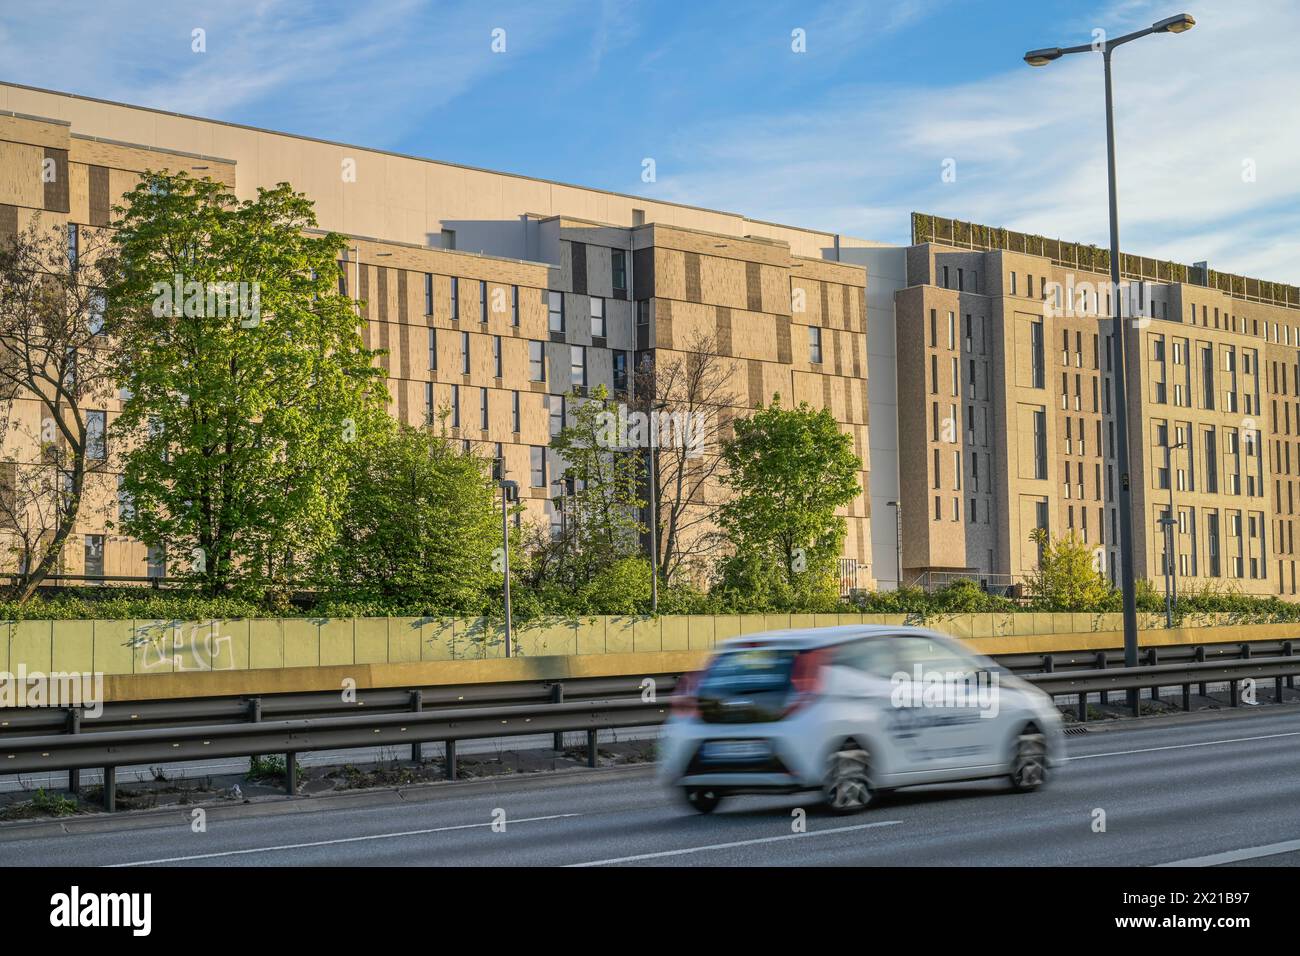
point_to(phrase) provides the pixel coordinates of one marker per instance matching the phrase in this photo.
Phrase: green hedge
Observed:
(624, 594)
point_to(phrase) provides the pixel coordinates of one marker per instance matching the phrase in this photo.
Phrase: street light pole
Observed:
(1171, 547)
(509, 490)
(1176, 24)
(898, 540)
(652, 456)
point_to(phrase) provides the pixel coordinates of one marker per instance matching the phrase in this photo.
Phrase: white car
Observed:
(852, 711)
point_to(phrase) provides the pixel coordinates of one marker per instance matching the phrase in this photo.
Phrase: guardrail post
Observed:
(1286, 652)
(1187, 697)
(74, 727)
(417, 705)
(1153, 660)
(1049, 664)
(451, 760)
(557, 697)
(1277, 690)
(110, 789)
(1234, 692)
(1100, 663)
(591, 748)
(291, 772)
(1083, 707)
(255, 710)
(1200, 659)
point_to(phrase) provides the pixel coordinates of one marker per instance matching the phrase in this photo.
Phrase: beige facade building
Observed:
(1005, 392)
(491, 295)
(973, 366)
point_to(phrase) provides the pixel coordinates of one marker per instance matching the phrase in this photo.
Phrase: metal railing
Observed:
(399, 717)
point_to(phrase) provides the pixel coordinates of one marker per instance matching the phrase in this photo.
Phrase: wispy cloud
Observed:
(1196, 114)
(367, 72)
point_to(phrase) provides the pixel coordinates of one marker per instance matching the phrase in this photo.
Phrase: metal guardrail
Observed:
(214, 710)
(1152, 677)
(210, 710)
(549, 712)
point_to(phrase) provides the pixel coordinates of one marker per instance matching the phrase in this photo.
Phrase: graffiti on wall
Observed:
(177, 646)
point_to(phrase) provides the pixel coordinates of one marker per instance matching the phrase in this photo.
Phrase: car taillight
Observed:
(685, 703)
(805, 678)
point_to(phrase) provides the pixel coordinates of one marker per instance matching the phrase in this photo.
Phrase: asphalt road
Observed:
(1213, 791)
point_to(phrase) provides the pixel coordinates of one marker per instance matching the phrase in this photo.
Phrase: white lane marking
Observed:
(1232, 856)
(1203, 743)
(727, 846)
(356, 839)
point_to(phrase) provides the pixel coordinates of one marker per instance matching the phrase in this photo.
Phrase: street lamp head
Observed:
(891, 504)
(1043, 57)
(1179, 24)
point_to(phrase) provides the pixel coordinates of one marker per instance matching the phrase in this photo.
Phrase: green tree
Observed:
(247, 379)
(788, 471)
(601, 503)
(1067, 578)
(421, 523)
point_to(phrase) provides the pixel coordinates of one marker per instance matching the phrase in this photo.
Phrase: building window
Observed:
(96, 436)
(620, 371)
(74, 244)
(156, 562)
(464, 353)
(428, 403)
(98, 305)
(536, 362)
(483, 409)
(455, 406)
(455, 299)
(598, 317)
(814, 345)
(578, 366)
(433, 350)
(1040, 444)
(496, 355)
(555, 311)
(428, 293)
(1036, 358)
(514, 412)
(94, 555)
(618, 265)
(537, 467)
(514, 305)
(125, 503)
(643, 314)
(555, 405)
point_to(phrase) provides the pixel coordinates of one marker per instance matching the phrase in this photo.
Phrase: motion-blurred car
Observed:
(852, 711)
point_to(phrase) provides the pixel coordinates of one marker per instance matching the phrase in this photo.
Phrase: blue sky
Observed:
(850, 135)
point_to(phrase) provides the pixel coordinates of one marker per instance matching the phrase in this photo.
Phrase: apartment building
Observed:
(492, 296)
(1006, 394)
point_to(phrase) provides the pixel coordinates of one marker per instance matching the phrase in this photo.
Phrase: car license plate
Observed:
(731, 751)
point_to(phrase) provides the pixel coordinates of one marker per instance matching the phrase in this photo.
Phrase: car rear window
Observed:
(749, 670)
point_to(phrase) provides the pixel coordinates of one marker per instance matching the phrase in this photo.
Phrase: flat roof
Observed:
(422, 159)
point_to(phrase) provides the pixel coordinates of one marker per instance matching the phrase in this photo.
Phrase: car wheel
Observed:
(703, 799)
(1029, 766)
(847, 788)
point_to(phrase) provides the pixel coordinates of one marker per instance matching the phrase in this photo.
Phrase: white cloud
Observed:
(343, 70)
(1029, 146)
